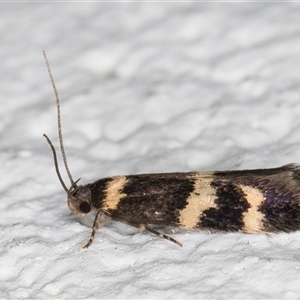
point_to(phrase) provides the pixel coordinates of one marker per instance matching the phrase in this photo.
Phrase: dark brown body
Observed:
(264, 200)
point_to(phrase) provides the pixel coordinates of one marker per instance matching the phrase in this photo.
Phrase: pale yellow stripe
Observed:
(202, 198)
(113, 194)
(252, 217)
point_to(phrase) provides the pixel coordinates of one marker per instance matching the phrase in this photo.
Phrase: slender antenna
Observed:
(56, 164)
(62, 149)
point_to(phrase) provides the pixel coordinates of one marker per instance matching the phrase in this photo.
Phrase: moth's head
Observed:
(79, 200)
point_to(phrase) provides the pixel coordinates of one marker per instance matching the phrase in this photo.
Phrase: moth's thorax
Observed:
(79, 200)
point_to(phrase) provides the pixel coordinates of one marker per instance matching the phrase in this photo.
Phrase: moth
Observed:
(249, 201)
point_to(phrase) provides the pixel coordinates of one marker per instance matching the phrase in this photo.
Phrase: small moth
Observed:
(249, 201)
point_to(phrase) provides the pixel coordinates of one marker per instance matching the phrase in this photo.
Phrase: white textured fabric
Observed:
(144, 87)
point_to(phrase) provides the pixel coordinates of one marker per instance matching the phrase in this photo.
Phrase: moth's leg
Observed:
(96, 225)
(143, 227)
(88, 221)
(161, 235)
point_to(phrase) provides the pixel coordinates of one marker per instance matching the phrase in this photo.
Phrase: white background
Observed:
(145, 87)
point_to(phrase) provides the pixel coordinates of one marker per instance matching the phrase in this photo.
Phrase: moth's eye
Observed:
(85, 207)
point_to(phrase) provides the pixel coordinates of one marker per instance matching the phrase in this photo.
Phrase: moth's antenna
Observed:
(56, 164)
(62, 149)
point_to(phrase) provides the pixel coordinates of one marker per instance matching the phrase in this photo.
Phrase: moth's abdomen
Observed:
(281, 209)
(246, 201)
(273, 196)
